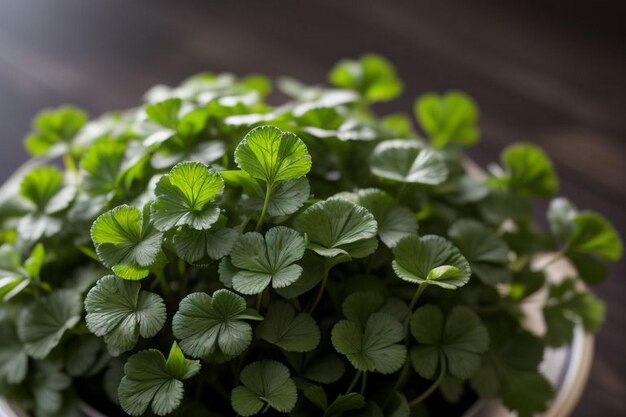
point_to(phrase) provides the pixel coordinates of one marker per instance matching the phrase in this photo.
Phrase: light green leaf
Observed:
(262, 260)
(208, 325)
(287, 197)
(101, 166)
(126, 242)
(431, 260)
(594, 235)
(120, 312)
(269, 154)
(451, 118)
(461, 341)
(529, 171)
(13, 358)
(265, 383)
(54, 127)
(486, 253)
(42, 325)
(371, 75)
(376, 349)
(150, 381)
(43, 188)
(14, 277)
(408, 161)
(291, 332)
(394, 222)
(165, 113)
(203, 246)
(333, 227)
(186, 196)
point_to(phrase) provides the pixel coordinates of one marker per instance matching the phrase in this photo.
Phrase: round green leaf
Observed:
(186, 196)
(337, 227)
(149, 382)
(264, 383)
(529, 171)
(408, 161)
(126, 242)
(120, 312)
(262, 260)
(42, 325)
(291, 332)
(269, 154)
(374, 349)
(431, 260)
(594, 235)
(208, 325)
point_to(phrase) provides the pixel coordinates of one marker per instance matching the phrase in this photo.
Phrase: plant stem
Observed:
(259, 300)
(165, 286)
(266, 204)
(416, 296)
(433, 387)
(363, 383)
(320, 290)
(357, 375)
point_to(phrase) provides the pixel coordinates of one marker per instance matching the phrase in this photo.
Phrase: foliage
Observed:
(307, 259)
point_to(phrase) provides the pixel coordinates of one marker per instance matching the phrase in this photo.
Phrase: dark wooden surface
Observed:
(550, 72)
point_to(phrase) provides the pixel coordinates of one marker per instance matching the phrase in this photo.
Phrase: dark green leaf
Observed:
(291, 332)
(408, 161)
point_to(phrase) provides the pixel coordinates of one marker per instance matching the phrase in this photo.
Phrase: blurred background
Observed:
(550, 72)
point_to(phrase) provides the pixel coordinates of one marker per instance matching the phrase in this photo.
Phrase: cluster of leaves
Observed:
(308, 259)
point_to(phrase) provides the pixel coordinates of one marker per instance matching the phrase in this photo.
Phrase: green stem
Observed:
(259, 300)
(400, 381)
(70, 163)
(266, 204)
(165, 286)
(433, 387)
(363, 383)
(357, 375)
(321, 288)
(416, 296)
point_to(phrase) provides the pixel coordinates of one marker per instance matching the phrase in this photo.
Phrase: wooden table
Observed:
(540, 73)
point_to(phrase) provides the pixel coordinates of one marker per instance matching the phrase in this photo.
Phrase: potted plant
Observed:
(210, 254)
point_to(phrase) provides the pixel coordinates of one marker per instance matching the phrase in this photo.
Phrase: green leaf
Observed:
(325, 370)
(42, 325)
(102, 165)
(120, 312)
(529, 172)
(291, 332)
(287, 197)
(13, 358)
(186, 196)
(126, 242)
(337, 227)
(14, 277)
(200, 246)
(376, 348)
(371, 75)
(486, 253)
(81, 355)
(265, 383)
(150, 381)
(43, 188)
(594, 235)
(359, 306)
(461, 341)
(528, 393)
(567, 307)
(262, 260)
(408, 161)
(54, 127)
(165, 113)
(451, 118)
(269, 154)
(47, 385)
(345, 403)
(208, 325)
(430, 260)
(394, 222)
